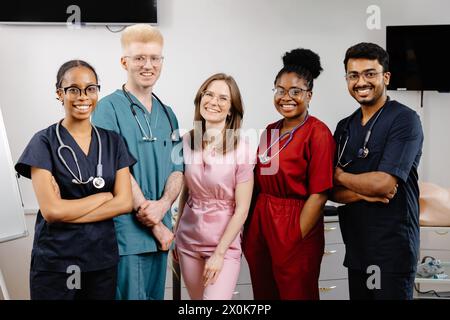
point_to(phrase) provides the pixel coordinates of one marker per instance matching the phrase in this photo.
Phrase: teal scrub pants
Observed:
(142, 276)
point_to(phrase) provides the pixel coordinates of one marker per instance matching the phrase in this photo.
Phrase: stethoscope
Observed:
(98, 181)
(265, 158)
(145, 137)
(363, 152)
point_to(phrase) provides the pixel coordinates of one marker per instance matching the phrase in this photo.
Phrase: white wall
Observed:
(243, 38)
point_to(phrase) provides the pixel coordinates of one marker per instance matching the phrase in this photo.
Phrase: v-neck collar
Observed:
(153, 115)
(75, 143)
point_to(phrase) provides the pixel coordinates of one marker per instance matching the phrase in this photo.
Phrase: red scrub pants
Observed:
(283, 264)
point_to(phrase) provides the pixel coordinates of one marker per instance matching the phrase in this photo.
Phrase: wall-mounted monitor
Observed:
(78, 11)
(418, 56)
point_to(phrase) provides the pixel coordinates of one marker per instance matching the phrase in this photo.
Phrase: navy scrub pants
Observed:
(95, 285)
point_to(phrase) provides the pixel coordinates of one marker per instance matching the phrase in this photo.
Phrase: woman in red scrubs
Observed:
(284, 238)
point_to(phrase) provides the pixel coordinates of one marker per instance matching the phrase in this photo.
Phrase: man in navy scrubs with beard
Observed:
(378, 152)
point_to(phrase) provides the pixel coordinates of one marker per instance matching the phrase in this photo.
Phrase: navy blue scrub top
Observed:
(386, 235)
(90, 246)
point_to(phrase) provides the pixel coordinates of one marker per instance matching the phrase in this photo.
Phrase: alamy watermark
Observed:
(74, 280)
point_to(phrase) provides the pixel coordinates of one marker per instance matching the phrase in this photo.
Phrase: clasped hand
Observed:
(151, 212)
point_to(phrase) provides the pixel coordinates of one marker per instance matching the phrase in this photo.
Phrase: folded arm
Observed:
(121, 202)
(372, 184)
(55, 209)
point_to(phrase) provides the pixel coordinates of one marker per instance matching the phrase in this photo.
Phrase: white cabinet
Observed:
(333, 283)
(434, 242)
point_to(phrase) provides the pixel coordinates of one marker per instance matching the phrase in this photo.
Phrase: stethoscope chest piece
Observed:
(363, 153)
(98, 182)
(263, 158)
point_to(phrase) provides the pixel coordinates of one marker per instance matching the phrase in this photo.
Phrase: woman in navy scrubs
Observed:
(79, 187)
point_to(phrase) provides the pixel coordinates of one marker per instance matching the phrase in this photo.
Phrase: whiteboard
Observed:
(12, 217)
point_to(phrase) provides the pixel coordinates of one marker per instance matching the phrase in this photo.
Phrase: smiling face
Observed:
(78, 106)
(291, 108)
(142, 76)
(367, 92)
(215, 103)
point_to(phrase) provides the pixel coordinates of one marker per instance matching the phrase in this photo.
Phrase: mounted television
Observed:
(78, 11)
(418, 58)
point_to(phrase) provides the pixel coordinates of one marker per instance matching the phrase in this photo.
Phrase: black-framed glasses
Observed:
(293, 92)
(140, 59)
(367, 75)
(90, 91)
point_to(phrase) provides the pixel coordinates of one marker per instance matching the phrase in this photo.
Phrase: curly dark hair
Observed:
(304, 62)
(370, 51)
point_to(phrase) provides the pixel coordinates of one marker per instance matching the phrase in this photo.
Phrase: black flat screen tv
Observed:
(418, 57)
(90, 12)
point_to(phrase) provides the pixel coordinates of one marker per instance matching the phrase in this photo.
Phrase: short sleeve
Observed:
(177, 148)
(36, 154)
(246, 159)
(124, 157)
(321, 162)
(403, 145)
(105, 117)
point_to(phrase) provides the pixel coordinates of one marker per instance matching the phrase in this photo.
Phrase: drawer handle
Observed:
(328, 229)
(442, 233)
(327, 289)
(328, 252)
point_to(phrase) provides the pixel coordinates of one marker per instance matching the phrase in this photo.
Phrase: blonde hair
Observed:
(140, 33)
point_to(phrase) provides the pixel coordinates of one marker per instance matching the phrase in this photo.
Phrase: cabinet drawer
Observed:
(442, 255)
(435, 238)
(331, 267)
(334, 290)
(332, 233)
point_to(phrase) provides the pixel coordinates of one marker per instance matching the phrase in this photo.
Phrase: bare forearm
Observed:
(173, 187)
(232, 230)
(311, 212)
(138, 196)
(341, 194)
(113, 208)
(372, 184)
(183, 198)
(66, 210)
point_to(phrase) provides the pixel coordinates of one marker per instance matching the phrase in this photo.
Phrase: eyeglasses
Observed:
(141, 60)
(367, 75)
(221, 99)
(293, 92)
(75, 92)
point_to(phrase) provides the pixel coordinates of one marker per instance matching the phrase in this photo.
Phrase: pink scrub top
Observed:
(212, 179)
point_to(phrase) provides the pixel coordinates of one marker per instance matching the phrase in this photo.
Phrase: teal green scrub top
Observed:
(154, 165)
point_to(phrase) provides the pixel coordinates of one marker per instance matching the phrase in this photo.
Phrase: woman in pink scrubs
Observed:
(217, 192)
(284, 241)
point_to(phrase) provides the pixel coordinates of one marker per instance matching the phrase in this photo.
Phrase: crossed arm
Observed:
(375, 186)
(96, 207)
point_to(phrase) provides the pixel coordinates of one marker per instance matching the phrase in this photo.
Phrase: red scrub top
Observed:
(304, 167)
(284, 263)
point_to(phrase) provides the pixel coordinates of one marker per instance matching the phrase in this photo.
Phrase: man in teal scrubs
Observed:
(144, 236)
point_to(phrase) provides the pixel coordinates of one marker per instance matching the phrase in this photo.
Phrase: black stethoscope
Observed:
(173, 135)
(98, 181)
(363, 152)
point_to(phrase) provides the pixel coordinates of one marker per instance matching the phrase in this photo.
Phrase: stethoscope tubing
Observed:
(62, 146)
(166, 112)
